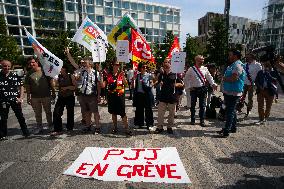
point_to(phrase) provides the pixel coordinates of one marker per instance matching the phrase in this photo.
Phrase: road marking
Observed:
(4, 166)
(212, 171)
(58, 151)
(273, 144)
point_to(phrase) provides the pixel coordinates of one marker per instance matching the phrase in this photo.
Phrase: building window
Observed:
(28, 51)
(14, 31)
(149, 8)
(101, 26)
(24, 11)
(235, 26)
(92, 17)
(238, 31)
(176, 13)
(176, 19)
(10, 1)
(13, 20)
(163, 10)
(70, 7)
(108, 11)
(100, 19)
(156, 9)
(26, 21)
(90, 9)
(11, 9)
(23, 2)
(117, 3)
(71, 25)
(133, 6)
(156, 32)
(108, 3)
(149, 31)
(26, 41)
(109, 28)
(90, 2)
(100, 2)
(162, 25)
(141, 7)
(169, 18)
(117, 12)
(148, 16)
(126, 5)
(163, 18)
(134, 15)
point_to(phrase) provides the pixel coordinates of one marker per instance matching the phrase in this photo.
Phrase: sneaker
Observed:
(114, 130)
(3, 138)
(223, 133)
(38, 131)
(56, 133)
(170, 130)
(26, 135)
(192, 123)
(97, 131)
(233, 130)
(128, 132)
(202, 124)
(261, 122)
(158, 131)
(149, 126)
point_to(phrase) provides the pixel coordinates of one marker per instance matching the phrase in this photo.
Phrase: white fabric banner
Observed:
(50, 63)
(93, 38)
(131, 164)
(178, 62)
(122, 51)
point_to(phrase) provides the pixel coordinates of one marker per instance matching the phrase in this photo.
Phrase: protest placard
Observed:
(122, 51)
(178, 62)
(131, 164)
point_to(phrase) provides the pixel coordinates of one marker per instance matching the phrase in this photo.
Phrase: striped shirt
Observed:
(89, 85)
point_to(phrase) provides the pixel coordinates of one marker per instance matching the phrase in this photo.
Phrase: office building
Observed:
(45, 17)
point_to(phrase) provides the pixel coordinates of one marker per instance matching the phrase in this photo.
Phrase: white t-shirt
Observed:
(253, 69)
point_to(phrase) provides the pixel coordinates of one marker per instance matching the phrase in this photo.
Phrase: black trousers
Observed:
(4, 112)
(61, 102)
(143, 104)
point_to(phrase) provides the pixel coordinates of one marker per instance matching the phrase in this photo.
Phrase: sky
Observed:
(192, 10)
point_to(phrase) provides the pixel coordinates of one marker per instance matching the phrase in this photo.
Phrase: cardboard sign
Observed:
(131, 164)
(122, 51)
(178, 62)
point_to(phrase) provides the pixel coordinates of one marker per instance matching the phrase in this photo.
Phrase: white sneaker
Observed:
(262, 122)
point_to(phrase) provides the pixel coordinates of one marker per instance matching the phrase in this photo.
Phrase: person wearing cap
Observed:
(143, 97)
(116, 82)
(233, 86)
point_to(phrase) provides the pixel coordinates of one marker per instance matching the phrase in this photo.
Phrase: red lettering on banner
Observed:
(119, 171)
(82, 168)
(138, 169)
(147, 171)
(113, 150)
(155, 154)
(92, 31)
(161, 171)
(101, 171)
(170, 171)
(137, 154)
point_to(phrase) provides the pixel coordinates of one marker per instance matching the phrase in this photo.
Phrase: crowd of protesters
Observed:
(93, 86)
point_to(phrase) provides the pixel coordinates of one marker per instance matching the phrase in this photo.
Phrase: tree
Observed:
(9, 49)
(216, 48)
(192, 49)
(161, 50)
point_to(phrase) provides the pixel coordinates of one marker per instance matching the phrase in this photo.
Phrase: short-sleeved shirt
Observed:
(9, 86)
(145, 79)
(89, 79)
(38, 83)
(167, 93)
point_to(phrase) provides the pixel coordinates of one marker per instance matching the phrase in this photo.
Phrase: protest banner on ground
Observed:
(51, 64)
(122, 51)
(93, 38)
(178, 62)
(131, 164)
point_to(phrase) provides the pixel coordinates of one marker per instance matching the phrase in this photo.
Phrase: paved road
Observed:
(251, 158)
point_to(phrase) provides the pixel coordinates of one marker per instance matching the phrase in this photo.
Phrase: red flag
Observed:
(141, 50)
(174, 48)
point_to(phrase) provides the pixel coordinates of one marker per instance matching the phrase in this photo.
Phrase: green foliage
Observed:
(161, 50)
(216, 48)
(192, 49)
(110, 56)
(9, 49)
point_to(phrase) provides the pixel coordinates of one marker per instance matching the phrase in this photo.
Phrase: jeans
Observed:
(231, 115)
(4, 112)
(194, 94)
(144, 104)
(249, 89)
(61, 102)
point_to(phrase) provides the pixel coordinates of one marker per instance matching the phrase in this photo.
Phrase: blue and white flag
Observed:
(50, 63)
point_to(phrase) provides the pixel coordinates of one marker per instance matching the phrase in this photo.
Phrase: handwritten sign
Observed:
(131, 164)
(178, 62)
(122, 51)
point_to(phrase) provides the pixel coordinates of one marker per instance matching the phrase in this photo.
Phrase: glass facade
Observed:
(153, 19)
